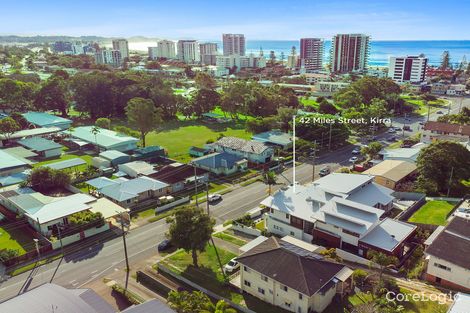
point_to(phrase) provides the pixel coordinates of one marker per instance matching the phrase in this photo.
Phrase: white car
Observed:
(214, 197)
(356, 151)
(353, 159)
(231, 266)
(391, 130)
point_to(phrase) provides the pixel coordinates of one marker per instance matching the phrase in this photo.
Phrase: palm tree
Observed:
(269, 179)
(95, 131)
(220, 307)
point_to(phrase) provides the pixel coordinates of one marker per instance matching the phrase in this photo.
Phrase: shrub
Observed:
(7, 254)
(245, 220)
(359, 277)
(84, 217)
(45, 178)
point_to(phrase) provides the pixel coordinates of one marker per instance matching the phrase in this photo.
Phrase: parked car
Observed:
(356, 151)
(231, 266)
(392, 139)
(421, 123)
(353, 159)
(164, 245)
(440, 112)
(324, 171)
(214, 197)
(407, 127)
(391, 130)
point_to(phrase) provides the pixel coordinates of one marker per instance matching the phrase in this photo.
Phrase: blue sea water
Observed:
(380, 51)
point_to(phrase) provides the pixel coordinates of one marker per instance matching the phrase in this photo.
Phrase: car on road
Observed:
(324, 171)
(391, 130)
(356, 151)
(421, 123)
(231, 266)
(440, 112)
(164, 245)
(406, 127)
(214, 197)
(354, 159)
(392, 138)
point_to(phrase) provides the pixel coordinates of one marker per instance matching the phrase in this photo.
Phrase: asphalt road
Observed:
(84, 266)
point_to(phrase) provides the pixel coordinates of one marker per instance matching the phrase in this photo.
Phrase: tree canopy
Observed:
(143, 115)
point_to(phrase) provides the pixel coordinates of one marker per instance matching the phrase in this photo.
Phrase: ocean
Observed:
(380, 51)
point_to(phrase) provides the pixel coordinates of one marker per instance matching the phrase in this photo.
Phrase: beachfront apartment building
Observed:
(109, 57)
(188, 51)
(311, 54)
(349, 53)
(208, 53)
(121, 45)
(408, 69)
(339, 210)
(165, 49)
(233, 44)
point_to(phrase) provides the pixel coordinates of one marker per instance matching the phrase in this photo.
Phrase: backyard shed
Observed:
(115, 157)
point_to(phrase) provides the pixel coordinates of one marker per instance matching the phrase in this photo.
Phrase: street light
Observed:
(36, 243)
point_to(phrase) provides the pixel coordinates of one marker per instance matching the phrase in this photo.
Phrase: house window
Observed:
(246, 269)
(300, 296)
(292, 233)
(261, 290)
(128, 201)
(287, 304)
(351, 233)
(287, 216)
(446, 268)
(284, 288)
(247, 283)
(149, 192)
(265, 278)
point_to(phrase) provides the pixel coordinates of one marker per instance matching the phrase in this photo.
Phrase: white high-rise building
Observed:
(188, 51)
(240, 62)
(349, 53)
(108, 57)
(123, 46)
(233, 44)
(166, 49)
(408, 68)
(208, 53)
(153, 53)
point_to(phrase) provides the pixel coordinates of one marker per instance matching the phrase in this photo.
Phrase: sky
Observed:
(258, 20)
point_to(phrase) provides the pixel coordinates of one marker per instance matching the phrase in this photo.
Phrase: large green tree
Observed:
(16, 95)
(93, 94)
(143, 115)
(191, 230)
(8, 126)
(53, 95)
(372, 149)
(442, 166)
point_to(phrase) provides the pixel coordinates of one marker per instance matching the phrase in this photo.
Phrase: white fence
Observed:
(76, 237)
(246, 230)
(171, 204)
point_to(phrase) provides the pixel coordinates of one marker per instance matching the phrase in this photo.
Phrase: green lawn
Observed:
(308, 102)
(421, 108)
(12, 237)
(181, 135)
(87, 158)
(261, 225)
(433, 212)
(230, 238)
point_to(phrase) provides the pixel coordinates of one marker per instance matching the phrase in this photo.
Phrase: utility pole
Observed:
(404, 124)
(125, 248)
(450, 181)
(329, 140)
(313, 162)
(195, 185)
(293, 151)
(60, 239)
(207, 197)
(429, 109)
(460, 105)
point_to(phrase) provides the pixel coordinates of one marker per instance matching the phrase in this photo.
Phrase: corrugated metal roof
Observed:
(65, 164)
(44, 119)
(39, 144)
(8, 161)
(105, 138)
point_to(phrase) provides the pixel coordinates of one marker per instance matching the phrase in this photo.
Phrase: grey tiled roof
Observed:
(239, 144)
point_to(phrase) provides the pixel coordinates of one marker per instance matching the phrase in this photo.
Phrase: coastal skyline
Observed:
(275, 20)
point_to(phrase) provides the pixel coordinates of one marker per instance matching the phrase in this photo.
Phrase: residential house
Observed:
(447, 255)
(275, 138)
(43, 147)
(10, 164)
(291, 276)
(55, 298)
(401, 154)
(148, 153)
(198, 152)
(390, 173)
(137, 168)
(221, 163)
(41, 131)
(337, 210)
(461, 303)
(110, 158)
(42, 212)
(42, 119)
(433, 131)
(104, 139)
(253, 151)
(180, 176)
(130, 192)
